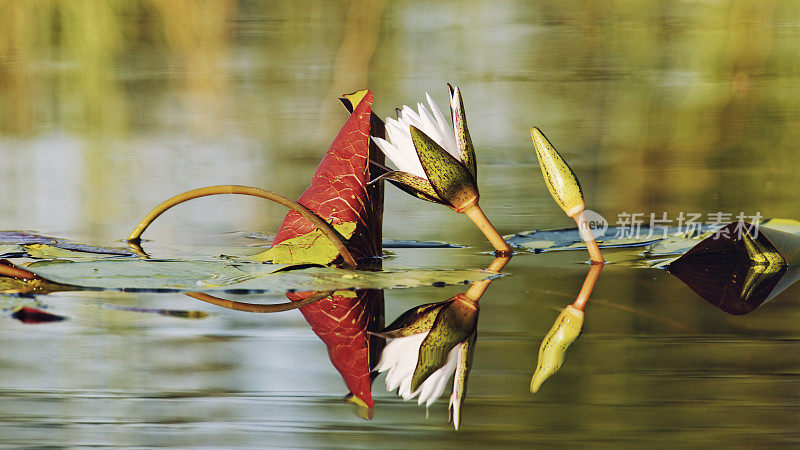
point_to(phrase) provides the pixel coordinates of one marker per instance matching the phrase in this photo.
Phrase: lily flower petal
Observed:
(465, 352)
(399, 357)
(431, 344)
(433, 387)
(446, 129)
(466, 152)
(454, 324)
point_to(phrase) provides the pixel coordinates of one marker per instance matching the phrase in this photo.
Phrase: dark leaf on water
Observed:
(739, 271)
(26, 314)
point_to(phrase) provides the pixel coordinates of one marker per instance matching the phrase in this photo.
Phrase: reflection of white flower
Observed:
(400, 359)
(431, 344)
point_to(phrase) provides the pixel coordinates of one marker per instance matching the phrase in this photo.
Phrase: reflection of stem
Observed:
(588, 238)
(307, 214)
(256, 308)
(588, 285)
(475, 214)
(475, 292)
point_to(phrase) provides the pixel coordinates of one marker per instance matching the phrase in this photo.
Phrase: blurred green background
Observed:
(108, 107)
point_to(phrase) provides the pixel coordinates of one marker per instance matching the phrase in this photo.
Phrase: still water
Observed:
(660, 107)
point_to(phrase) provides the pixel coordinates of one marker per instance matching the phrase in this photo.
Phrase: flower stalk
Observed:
(588, 286)
(588, 238)
(478, 288)
(477, 216)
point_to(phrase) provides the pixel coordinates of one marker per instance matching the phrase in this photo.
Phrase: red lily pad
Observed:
(339, 192)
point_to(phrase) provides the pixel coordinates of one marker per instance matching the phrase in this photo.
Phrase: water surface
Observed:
(660, 107)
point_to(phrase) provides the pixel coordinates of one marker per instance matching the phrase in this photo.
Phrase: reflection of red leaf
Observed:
(339, 193)
(342, 323)
(32, 315)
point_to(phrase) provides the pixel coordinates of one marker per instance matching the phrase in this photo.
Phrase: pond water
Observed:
(661, 107)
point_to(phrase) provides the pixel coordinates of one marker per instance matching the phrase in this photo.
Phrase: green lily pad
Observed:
(11, 250)
(224, 276)
(539, 241)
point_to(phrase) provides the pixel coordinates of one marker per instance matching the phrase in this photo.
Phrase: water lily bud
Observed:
(551, 354)
(559, 177)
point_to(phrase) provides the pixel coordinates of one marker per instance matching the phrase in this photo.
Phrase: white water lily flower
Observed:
(435, 160)
(400, 147)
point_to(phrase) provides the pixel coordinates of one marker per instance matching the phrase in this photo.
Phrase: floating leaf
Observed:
(538, 241)
(222, 276)
(738, 272)
(28, 315)
(339, 192)
(71, 251)
(11, 250)
(312, 246)
(21, 243)
(24, 237)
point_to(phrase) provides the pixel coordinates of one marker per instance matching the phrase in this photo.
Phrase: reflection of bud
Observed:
(551, 354)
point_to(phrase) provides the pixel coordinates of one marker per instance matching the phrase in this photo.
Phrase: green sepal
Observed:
(463, 139)
(415, 320)
(448, 177)
(310, 248)
(461, 376)
(453, 325)
(412, 184)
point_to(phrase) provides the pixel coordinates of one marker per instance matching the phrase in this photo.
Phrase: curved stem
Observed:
(258, 308)
(309, 215)
(15, 272)
(588, 238)
(477, 216)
